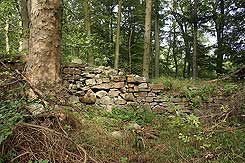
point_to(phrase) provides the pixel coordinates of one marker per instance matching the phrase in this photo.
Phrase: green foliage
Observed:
(6, 156)
(197, 95)
(124, 159)
(141, 116)
(230, 88)
(39, 161)
(9, 117)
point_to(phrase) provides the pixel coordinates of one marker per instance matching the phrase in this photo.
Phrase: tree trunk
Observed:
(88, 30)
(147, 39)
(219, 25)
(157, 39)
(25, 21)
(7, 46)
(174, 51)
(194, 56)
(184, 33)
(116, 64)
(43, 64)
(129, 50)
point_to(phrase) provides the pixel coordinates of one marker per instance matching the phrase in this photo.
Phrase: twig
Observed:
(7, 84)
(19, 156)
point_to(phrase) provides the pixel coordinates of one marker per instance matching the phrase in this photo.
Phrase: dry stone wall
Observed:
(106, 87)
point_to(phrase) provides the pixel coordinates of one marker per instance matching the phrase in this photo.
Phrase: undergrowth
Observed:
(129, 135)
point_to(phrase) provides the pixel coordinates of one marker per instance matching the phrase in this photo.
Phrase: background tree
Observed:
(117, 46)
(88, 30)
(195, 28)
(157, 38)
(147, 37)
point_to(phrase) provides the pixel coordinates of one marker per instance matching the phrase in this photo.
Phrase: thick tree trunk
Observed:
(157, 40)
(147, 38)
(88, 30)
(43, 64)
(194, 56)
(116, 63)
(7, 46)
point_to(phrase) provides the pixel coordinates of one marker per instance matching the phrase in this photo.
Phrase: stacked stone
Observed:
(107, 87)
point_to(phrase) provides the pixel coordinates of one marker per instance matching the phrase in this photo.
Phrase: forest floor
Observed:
(213, 130)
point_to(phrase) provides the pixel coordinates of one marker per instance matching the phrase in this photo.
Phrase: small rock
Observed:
(130, 79)
(130, 85)
(101, 94)
(105, 80)
(143, 85)
(151, 94)
(121, 73)
(118, 85)
(114, 93)
(118, 78)
(102, 86)
(120, 101)
(142, 94)
(123, 89)
(157, 86)
(140, 79)
(140, 99)
(71, 71)
(90, 82)
(70, 86)
(90, 76)
(109, 108)
(99, 81)
(106, 100)
(88, 98)
(129, 97)
(35, 108)
(149, 99)
(144, 89)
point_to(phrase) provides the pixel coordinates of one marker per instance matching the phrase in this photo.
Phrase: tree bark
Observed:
(25, 21)
(43, 63)
(194, 56)
(116, 63)
(88, 30)
(174, 49)
(129, 50)
(147, 39)
(219, 25)
(157, 39)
